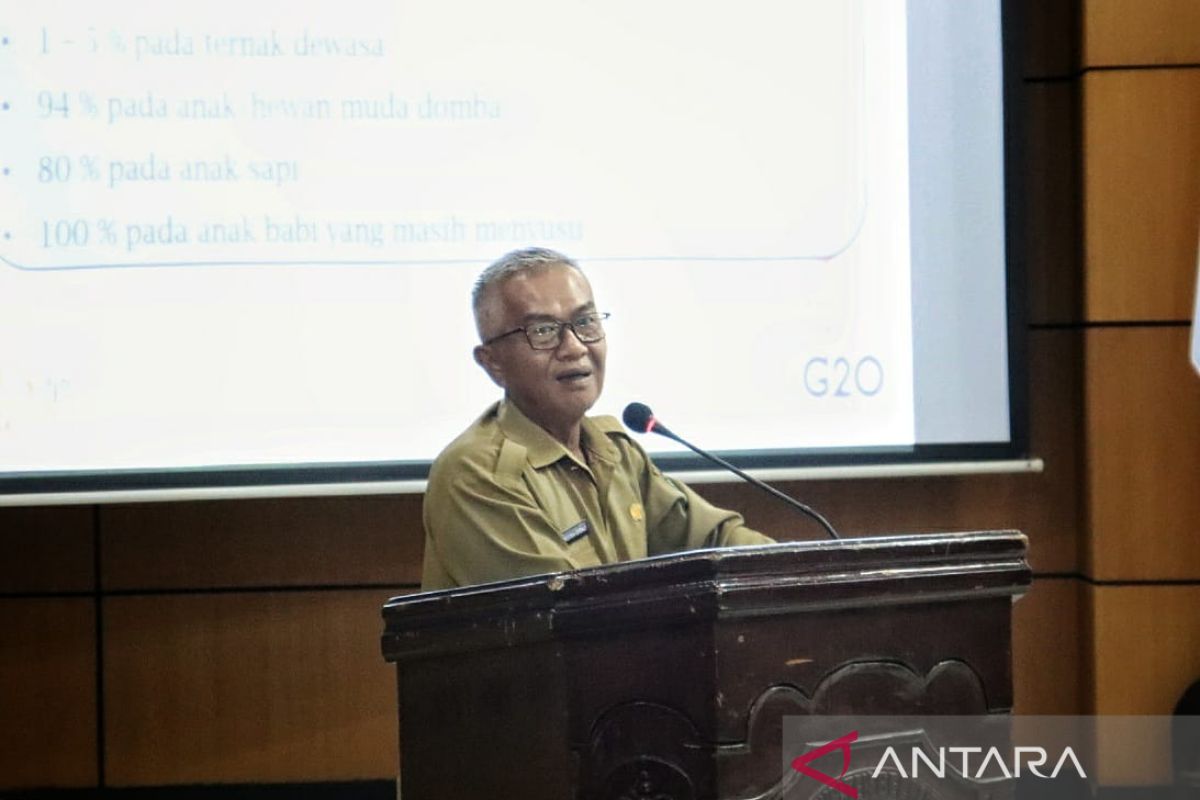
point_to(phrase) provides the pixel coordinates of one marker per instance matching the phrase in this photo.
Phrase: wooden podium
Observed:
(669, 678)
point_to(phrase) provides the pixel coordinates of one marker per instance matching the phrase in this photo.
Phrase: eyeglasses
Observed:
(548, 335)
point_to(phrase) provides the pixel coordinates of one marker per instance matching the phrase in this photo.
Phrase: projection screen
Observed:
(238, 239)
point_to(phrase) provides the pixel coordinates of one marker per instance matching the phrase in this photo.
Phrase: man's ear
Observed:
(485, 358)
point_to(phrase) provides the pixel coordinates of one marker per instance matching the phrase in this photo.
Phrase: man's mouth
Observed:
(573, 375)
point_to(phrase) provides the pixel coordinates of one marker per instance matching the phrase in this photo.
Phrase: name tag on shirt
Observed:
(575, 532)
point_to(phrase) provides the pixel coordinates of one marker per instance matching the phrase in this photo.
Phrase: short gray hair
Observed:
(518, 262)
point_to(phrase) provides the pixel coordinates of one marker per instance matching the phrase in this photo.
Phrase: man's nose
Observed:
(569, 345)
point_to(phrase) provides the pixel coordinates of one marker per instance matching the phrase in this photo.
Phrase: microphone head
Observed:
(638, 417)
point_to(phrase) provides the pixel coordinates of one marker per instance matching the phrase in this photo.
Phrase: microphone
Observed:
(639, 418)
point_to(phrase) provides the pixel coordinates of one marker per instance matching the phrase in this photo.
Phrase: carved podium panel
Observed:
(669, 677)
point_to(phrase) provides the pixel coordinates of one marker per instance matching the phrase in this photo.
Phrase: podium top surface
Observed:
(709, 585)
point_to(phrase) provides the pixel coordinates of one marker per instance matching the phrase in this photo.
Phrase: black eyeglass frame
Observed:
(559, 325)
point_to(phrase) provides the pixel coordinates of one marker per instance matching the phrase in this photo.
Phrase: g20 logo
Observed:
(843, 377)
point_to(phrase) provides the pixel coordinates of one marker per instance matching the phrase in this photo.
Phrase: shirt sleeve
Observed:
(678, 518)
(478, 530)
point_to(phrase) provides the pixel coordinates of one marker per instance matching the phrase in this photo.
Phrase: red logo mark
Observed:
(800, 764)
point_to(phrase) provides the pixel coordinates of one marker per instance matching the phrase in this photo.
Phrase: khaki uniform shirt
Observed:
(506, 500)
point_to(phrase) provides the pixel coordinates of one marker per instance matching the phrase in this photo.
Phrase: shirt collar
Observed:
(542, 448)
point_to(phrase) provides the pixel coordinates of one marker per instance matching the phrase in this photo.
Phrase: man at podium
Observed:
(534, 485)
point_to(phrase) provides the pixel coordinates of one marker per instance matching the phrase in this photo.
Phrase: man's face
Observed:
(554, 388)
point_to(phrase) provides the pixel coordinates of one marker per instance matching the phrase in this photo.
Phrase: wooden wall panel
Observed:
(47, 693)
(1048, 646)
(1133, 32)
(1045, 506)
(260, 687)
(277, 542)
(1147, 651)
(1141, 179)
(918, 505)
(1141, 132)
(1143, 451)
(46, 549)
(1051, 203)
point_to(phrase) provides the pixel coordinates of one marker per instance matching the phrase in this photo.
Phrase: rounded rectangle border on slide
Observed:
(438, 132)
